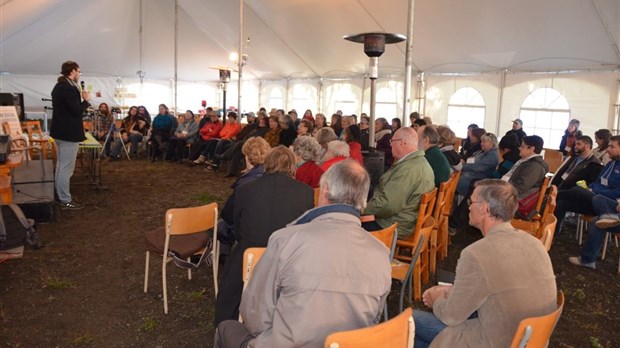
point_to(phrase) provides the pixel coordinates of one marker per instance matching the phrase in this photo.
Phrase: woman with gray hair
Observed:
(337, 151)
(324, 136)
(307, 151)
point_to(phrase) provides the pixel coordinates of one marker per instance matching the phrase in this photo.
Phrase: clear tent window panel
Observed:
(466, 106)
(545, 112)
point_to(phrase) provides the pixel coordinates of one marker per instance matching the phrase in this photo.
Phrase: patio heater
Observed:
(224, 80)
(374, 46)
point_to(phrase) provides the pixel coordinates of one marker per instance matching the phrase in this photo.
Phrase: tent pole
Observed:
(176, 53)
(319, 95)
(500, 99)
(240, 60)
(408, 64)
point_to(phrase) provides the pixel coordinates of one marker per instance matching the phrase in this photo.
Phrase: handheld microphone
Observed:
(46, 99)
(83, 86)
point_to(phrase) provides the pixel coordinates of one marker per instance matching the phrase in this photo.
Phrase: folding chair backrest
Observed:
(427, 203)
(397, 332)
(454, 179)
(317, 190)
(250, 259)
(191, 220)
(548, 231)
(553, 159)
(388, 237)
(536, 331)
(541, 196)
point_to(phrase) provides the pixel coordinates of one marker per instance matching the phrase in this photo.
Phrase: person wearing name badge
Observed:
(606, 188)
(481, 165)
(584, 165)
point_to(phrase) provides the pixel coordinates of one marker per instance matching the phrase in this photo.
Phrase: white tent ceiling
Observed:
(303, 38)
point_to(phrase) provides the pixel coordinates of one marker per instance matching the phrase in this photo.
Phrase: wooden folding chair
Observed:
(427, 202)
(548, 228)
(395, 333)
(250, 259)
(185, 235)
(536, 331)
(438, 215)
(387, 236)
(36, 137)
(410, 273)
(553, 158)
(534, 226)
(442, 234)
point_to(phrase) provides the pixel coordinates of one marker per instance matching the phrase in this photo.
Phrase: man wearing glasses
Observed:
(397, 197)
(69, 102)
(500, 280)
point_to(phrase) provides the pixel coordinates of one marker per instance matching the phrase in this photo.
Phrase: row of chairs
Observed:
(185, 237)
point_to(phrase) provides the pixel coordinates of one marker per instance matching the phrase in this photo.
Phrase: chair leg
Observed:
(163, 279)
(146, 273)
(417, 282)
(433, 252)
(189, 270)
(604, 252)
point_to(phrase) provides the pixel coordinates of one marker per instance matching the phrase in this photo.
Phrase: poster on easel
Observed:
(8, 114)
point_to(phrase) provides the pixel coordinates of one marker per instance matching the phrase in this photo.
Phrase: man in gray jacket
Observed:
(500, 279)
(321, 274)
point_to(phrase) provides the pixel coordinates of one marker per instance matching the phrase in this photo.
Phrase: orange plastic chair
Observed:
(410, 273)
(536, 331)
(395, 333)
(184, 235)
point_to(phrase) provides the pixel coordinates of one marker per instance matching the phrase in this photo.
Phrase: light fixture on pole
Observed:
(374, 46)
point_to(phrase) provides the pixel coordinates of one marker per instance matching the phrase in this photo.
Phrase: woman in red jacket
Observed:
(352, 136)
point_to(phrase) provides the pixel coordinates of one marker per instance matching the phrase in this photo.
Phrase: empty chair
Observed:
(536, 331)
(395, 333)
(184, 235)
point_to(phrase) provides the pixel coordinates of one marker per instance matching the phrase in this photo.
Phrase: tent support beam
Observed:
(176, 54)
(610, 34)
(408, 64)
(500, 100)
(240, 60)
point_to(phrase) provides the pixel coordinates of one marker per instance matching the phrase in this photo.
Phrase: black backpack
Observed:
(15, 229)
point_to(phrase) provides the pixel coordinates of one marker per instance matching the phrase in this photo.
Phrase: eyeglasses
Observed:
(470, 202)
(393, 140)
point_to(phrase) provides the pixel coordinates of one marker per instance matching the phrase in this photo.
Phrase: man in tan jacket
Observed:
(500, 280)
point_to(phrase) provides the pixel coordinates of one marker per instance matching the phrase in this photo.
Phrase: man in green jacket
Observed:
(397, 197)
(429, 141)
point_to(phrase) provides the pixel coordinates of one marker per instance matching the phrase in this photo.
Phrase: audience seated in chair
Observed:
(509, 151)
(224, 144)
(210, 130)
(337, 150)
(162, 130)
(261, 207)
(601, 137)
(608, 220)
(580, 200)
(234, 155)
(225, 139)
(352, 136)
(133, 129)
(429, 141)
(471, 144)
(480, 166)
(397, 197)
(583, 165)
(273, 135)
(383, 134)
(255, 151)
(446, 146)
(496, 286)
(307, 152)
(305, 287)
(185, 134)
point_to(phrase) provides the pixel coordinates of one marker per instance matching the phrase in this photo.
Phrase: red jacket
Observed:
(325, 166)
(230, 130)
(211, 130)
(355, 152)
(309, 173)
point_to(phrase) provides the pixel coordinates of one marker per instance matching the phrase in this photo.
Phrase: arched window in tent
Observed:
(545, 112)
(276, 99)
(386, 106)
(465, 107)
(303, 97)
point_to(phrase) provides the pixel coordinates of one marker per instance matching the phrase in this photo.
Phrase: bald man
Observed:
(397, 197)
